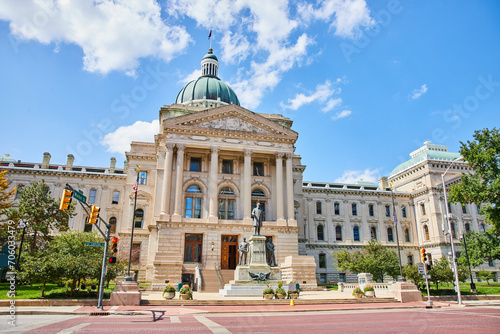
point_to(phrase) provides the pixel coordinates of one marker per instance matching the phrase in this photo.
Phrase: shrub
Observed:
(368, 287)
(185, 290)
(169, 288)
(357, 290)
(268, 290)
(280, 290)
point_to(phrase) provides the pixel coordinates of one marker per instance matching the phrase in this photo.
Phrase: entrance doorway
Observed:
(229, 252)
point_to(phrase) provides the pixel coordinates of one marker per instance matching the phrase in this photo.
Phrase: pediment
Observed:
(229, 121)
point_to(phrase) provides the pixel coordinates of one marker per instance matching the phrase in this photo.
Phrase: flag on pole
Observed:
(135, 187)
(210, 34)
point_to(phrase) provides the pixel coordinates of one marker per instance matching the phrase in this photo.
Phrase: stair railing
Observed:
(217, 271)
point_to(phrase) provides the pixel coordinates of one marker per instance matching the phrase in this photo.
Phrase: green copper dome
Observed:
(208, 89)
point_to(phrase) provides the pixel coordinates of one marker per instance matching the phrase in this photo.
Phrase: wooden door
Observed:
(229, 252)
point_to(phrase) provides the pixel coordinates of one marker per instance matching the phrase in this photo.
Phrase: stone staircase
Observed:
(211, 282)
(227, 275)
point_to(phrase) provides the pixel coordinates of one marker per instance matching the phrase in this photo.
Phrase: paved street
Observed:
(440, 320)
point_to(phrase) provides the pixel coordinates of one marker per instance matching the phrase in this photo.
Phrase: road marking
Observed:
(114, 308)
(213, 326)
(175, 320)
(74, 328)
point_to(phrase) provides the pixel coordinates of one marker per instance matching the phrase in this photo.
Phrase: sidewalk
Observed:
(203, 303)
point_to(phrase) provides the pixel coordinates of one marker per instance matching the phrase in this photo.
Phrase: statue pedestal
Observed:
(244, 285)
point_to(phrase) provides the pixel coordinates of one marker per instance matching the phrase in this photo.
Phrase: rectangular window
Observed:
(322, 260)
(92, 195)
(193, 207)
(192, 247)
(341, 277)
(387, 210)
(354, 209)
(116, 197)
(19, 191)
(410, 259)
(143, 178)
(449, 208)
(371, 212)
(403, 211)
(464, 209)
(322, 278)
(258, 169)
(422, 208)
(195, 164)
(336, 206)
(318, 208)
(227, 166)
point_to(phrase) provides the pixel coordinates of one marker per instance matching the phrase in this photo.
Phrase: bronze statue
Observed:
(271, 259)
(243, 249)
(257, 219)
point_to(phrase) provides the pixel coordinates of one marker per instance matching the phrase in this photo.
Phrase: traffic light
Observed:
(65, 199)
(94, 214)
(422, 255)
(114, 250)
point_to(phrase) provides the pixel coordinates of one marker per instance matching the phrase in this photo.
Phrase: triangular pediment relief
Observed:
(229, 121)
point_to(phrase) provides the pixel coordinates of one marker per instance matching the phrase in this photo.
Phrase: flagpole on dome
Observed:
(209, 37)
(136, 186)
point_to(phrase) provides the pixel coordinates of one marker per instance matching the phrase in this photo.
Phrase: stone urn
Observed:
(370, 294)
(268, 296)
(185, 296)
(168, 295)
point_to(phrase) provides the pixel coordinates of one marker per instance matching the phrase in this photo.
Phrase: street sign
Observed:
(99, 244)
(427, 276)
(421, 269)
(78, 195)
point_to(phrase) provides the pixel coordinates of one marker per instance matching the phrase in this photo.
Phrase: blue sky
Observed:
(365, 82)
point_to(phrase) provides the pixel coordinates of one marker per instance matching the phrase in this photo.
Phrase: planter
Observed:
(185, 296)
(358, 295)
(169, 295)
(280, 296)
(268, 296)
(295, 295)
(370, 294)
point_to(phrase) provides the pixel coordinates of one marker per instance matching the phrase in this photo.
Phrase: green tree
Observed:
(481, 247)
(410, 271)
(441, 272)
(485, 275)
(482, 186)
(41, 211)
(40, 267)
(374, 258)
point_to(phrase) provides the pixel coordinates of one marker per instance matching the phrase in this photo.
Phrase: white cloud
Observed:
(417, 93)
(113, 35)
(341, 114)
(235, 47)
(322, 95)
(119, 140)
(353, 176)
(347, 17)
(191, 76)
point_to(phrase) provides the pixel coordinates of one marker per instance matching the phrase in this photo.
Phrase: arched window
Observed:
(407, 235)
(258, 196)
(19, 191)
(373, 233)
(355, 232)
(390, 236)
(426, 233)
(338, 233)
(193, 202)
(482, 228)
(453, 232)
(467, 227)
(226, 203)
(138, 218)
(320, 232)
(112, 223)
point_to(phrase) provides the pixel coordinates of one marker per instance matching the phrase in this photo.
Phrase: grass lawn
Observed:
(52, 291)
(447, 289)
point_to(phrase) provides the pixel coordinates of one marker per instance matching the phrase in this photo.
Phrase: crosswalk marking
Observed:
(74, 328)
(175, 320)
(213, 326)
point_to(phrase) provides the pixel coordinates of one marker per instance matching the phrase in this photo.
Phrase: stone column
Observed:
(290, 206)
(178, 183)
(247, 192)
(279, 189)
(212, 185)
(167, 182)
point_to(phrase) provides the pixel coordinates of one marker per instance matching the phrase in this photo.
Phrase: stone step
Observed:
(210, 281)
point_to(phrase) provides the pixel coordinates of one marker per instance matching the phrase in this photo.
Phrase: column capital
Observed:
(170, 146)
(289, 155)
(215, 149)
(180, 147)
(279, 155)
(247, 152)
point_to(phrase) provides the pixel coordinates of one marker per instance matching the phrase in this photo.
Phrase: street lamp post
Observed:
(454, 258)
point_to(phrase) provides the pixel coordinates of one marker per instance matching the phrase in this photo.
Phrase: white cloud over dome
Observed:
(119, 140)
